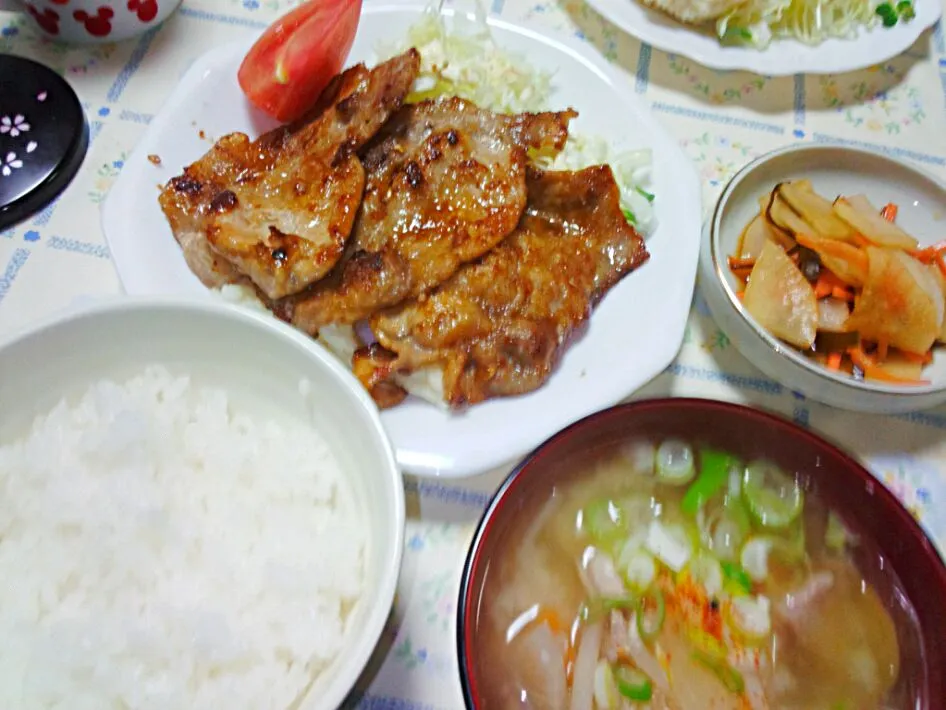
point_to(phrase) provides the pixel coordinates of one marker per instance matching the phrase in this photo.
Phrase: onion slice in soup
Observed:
(583, 680)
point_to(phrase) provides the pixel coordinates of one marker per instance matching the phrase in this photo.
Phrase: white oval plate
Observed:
(635, 331)
(783, 57)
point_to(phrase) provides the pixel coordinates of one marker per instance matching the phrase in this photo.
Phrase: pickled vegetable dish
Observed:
(843, 283)
(679, 578)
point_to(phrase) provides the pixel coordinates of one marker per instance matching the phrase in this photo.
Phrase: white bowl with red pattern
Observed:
(98, 21)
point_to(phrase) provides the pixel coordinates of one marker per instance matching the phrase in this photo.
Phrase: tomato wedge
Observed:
(296, 57)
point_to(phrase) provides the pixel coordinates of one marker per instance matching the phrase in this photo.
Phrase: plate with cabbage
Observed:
(776, 37)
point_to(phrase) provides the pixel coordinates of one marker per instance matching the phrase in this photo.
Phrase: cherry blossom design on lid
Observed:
(14, 125)
(43, 137)
(10, 163)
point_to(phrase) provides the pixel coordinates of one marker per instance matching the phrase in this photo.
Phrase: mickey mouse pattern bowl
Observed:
(98, 21)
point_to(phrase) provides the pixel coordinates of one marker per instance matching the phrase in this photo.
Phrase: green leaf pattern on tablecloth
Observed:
(717, 157)
(439, 600)
(105, 175)
(408, 656)
(876, 100)
(718, 87)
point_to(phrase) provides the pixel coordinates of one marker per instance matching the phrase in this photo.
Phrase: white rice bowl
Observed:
(163, 550)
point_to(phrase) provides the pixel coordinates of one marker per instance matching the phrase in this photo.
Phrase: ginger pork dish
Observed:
(443, 238)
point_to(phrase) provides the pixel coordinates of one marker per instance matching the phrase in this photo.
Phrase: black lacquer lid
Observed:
(43, 137)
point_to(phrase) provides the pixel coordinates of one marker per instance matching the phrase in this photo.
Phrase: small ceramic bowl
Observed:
(871, 512)
(259, 362)
(98, 21)
(833, 170)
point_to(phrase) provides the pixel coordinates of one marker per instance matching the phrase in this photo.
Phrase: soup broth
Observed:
(674, 577)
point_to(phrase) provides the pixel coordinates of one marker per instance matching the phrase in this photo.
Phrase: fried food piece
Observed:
(279, 209)
(499, 325)
(446, 183)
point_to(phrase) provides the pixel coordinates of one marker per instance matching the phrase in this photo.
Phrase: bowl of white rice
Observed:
(199, 509)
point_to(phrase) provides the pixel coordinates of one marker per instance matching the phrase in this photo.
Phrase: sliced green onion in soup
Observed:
(598, 608)
(754, 557)
(737, 580)
(836, 535)
(603, 520)
(638, 568)
(674, 462)
(723, 528)
(651, 612)
(726, 537)
(712, 478)
(633, 683)
(705, 570)
(774, 499)
(625, 548)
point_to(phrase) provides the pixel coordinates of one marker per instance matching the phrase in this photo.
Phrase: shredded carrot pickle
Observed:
(844, 283)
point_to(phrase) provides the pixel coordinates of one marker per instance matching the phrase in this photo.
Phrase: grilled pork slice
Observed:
(446, 183)
(279, 209)
(499, 325)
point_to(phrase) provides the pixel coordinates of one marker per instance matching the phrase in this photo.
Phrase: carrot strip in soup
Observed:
(548, 616)
(834, 361)
(889, 212)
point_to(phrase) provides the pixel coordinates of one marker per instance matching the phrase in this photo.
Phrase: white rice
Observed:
(161, 549)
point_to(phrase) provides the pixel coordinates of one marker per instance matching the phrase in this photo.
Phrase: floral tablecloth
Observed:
(723, 119)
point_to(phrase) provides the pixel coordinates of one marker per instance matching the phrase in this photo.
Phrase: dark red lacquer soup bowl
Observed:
(694, 554)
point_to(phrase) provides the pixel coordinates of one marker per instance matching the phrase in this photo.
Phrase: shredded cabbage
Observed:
(465, 61)
(757, 22)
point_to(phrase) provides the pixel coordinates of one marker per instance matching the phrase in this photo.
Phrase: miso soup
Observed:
(668, 576)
